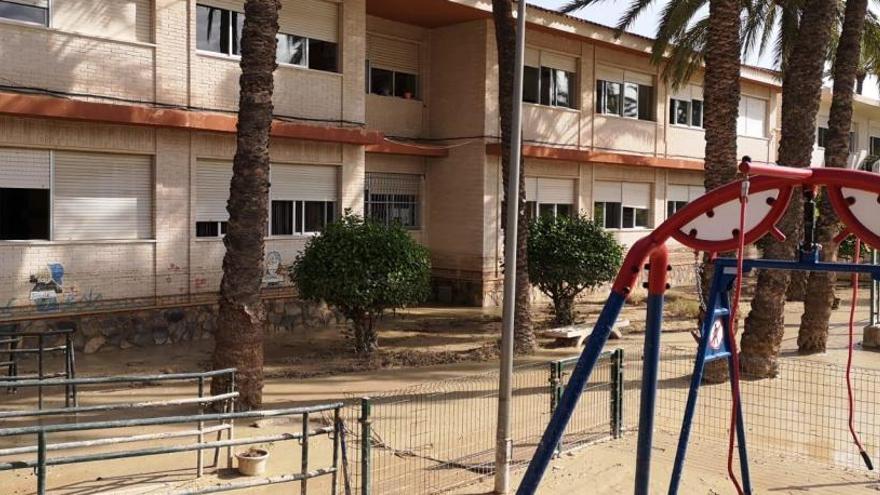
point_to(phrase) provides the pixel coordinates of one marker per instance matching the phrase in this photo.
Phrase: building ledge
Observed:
(390, 147)
(576, 155)
(39, 106)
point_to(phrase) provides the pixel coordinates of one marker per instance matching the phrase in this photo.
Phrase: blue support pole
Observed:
(574, 389)
(719, 290)
(650, 371)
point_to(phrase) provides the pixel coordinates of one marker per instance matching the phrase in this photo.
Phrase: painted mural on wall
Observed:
(276, 274)
(50, 294)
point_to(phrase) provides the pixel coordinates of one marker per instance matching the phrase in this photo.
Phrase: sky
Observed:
(608, 12)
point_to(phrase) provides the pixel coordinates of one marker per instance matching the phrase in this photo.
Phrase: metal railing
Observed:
(226, 401)
(14, 339)
(439, 436)
(43, 460)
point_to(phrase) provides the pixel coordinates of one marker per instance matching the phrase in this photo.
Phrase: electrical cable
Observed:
(849, 360)
(731, 333)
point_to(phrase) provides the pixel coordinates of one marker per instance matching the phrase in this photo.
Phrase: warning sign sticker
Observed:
(716, 336)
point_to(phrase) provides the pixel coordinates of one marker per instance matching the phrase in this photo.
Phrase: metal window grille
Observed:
(390, 198)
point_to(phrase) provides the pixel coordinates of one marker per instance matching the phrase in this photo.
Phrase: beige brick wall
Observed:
(38, 57)
(206, 255)
(130, 20)
(397, 116)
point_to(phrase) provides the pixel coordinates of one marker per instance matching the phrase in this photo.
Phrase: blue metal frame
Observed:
(719, 303)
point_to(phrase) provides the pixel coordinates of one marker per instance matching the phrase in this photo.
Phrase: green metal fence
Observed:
(439, 436)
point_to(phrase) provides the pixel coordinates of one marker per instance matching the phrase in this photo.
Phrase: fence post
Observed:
(366, 445)
(556, 389)
(41, 463)
(616, 393)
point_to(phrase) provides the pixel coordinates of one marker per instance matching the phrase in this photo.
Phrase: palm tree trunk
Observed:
(239, 339)
(819, 295)
(721, 92)
(505, 38)
(801, 93)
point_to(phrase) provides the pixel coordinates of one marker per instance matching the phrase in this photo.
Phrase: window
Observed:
(323, 55)
(210, 229)
(218, 30)
(822, 139)
(622, 205)
(386, 82)
(752, 117)
(678, 196)
(24, 214)
(303, 199)
(549, 197)
(686, 112)
(875, 146)
(549, 86)
(305, 52)
(393, 66)
(29, 11)
(625, 99)
(24, 194)
(301, 217)
(393, 198)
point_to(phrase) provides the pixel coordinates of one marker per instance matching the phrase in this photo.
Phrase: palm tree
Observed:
(848, 60)
(239, 339)
(715, 43)
(505, 38)
(801, 94)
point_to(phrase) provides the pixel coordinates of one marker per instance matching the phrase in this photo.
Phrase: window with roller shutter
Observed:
(26, 11)
(102, 196)
(622, 205)
(25, 179)
(550, 196)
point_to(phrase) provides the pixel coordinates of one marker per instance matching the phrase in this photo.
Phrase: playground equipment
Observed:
(725, 219)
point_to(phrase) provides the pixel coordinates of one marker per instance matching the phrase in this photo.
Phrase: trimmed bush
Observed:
(363, 268)
(568, 255)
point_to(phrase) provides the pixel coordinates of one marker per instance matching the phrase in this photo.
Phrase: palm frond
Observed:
(675, 20)
(635, 9)
(686, 56)
(574, 5)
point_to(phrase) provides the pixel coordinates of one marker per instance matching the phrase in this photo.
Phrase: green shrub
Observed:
(568, 255)
(363, 268)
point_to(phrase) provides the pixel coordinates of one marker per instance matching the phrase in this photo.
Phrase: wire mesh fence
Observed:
(439, 436)
(802, 413)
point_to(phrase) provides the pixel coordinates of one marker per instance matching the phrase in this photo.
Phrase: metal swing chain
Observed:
(698, 283)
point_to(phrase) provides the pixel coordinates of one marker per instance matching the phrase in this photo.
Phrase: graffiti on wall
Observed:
(50, 294)
(276, 273)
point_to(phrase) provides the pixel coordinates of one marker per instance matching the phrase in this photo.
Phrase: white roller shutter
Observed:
(636, 195)
(315, 19)
(560, 191)
(102, 196)
(695, 192)
(677, 193)
(212, 190)
(304, 182)
(756, 111)
(606, 73)
(392, 183)
(639, 78)
(607, 192)
(24, 169)
(533, 57)
(558, 61)
(397, 55)
(531, 189)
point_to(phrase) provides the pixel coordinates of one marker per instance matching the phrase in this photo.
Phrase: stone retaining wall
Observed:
(148, 327)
